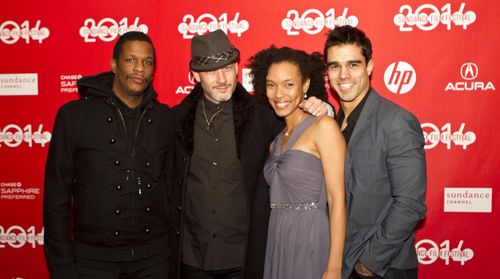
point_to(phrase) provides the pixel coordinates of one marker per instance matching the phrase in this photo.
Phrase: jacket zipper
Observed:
(123, 125)
(137, 130)
(133, 145)
(132, 151)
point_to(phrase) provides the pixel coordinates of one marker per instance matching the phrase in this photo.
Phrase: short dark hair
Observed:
(310, 66)
(131, 36)
(346, 35)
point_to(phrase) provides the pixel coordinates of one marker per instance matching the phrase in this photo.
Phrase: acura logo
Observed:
(191, 78)
(469, 71)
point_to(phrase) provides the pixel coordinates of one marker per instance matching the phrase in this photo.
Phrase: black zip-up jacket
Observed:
(106, 189)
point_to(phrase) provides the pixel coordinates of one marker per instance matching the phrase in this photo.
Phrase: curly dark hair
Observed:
(310, 66)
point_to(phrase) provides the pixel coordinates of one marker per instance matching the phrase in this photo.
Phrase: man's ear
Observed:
(369, 67)
(196, 76)
(113, 64)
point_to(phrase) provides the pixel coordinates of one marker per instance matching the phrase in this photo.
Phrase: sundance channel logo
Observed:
(18, 84)
(468, 199)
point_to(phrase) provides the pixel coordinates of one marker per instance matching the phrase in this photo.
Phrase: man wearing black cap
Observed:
(221, 198)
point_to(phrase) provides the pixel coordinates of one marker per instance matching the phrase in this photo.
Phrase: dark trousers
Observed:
(390, 274)
(189, 272)
(155, 267)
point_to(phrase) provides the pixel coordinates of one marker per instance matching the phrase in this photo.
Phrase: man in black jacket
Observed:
(221, 198)
(108, 167)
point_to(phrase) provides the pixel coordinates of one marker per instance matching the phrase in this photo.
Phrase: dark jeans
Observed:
(155, 267)
(390, 274)
(189, 272)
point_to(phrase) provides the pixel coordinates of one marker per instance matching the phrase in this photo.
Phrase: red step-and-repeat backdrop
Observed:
(436, 58)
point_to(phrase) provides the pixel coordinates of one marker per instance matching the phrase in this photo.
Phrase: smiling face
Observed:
(349, 73)
(133, 70)
(285, 88)
(218, 85)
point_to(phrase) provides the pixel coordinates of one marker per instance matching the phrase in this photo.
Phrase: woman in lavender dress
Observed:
(305, 170)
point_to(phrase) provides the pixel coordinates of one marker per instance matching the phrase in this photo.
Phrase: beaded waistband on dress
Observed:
(294, 206)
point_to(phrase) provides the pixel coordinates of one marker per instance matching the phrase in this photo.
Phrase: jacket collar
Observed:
(366, 115)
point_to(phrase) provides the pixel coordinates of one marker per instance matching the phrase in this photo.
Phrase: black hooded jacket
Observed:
(107, 178)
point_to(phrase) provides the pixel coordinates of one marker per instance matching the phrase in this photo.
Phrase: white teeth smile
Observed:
(346, 85)
(281, 105)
